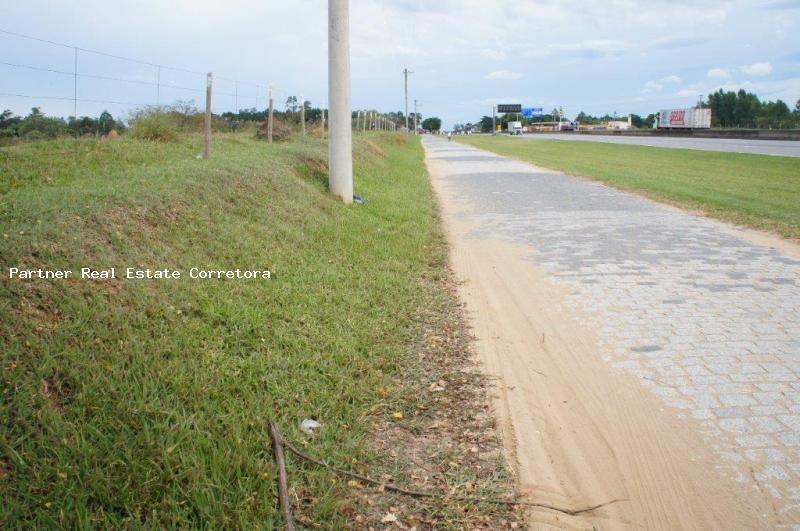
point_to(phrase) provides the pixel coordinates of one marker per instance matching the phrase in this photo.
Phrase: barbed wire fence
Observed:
(89, 78)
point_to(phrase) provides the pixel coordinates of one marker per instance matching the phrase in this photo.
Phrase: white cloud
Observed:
(756, 69)
(688, 93)
(590, 49)
(677, 41)
(495, 101)
(785, 89)
(652, 86)
(494, 55)
(719, 73)
(618, 45)
(503, 75)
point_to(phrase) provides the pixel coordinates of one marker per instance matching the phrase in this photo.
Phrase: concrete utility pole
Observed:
(340, 146)
(494, 119)
(269, 117)
(416, 126)
(406, 71)
(207, 124)
(323, 124)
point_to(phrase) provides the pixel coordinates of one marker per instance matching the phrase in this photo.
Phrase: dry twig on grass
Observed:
(416, 493)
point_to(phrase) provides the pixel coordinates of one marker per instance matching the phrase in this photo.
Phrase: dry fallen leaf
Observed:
(388, 519)
(398, 414)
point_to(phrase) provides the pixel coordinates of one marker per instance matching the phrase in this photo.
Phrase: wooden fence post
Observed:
(207, 128)
(269, 118)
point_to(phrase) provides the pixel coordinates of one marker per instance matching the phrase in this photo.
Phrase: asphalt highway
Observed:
(785, 148)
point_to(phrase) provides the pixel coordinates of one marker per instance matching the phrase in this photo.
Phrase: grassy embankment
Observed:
(130, 403)
(756, 190)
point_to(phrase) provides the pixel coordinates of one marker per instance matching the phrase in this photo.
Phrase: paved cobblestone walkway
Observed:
(707, 320)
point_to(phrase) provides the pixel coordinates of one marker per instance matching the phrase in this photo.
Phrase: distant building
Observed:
(619, 124)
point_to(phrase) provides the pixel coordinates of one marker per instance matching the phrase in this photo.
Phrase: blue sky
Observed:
(596, 56)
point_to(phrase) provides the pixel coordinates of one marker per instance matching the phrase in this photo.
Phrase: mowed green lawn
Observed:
(760, 191)
(145, 403)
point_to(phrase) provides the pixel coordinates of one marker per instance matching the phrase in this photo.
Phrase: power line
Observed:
(97, 52)
(119, 57)
(75, 74)
(62, 98)
(94, 76)
(37, 68)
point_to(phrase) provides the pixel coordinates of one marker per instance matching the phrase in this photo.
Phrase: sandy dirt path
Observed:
(577, 432)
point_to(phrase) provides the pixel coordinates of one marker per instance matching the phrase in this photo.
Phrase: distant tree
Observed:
(432, 124)
(411, 116)
(84, 125)
(37, 125)
(313, 114)
(637, 121)
(587, 119)
(744, 109)
(9, 122)
(775, 114)
(733, 109)
(105, 123)
(291, 104)
(486, 124)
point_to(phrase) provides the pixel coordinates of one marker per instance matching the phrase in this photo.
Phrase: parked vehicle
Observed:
(514, 128)
(694, 118)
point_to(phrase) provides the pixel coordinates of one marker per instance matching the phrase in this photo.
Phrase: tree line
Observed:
(744, 109)
(729, 109)
(36, 125)
(181, 115)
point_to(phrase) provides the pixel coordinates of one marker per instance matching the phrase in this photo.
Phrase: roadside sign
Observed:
(509, 107)
(530, 112)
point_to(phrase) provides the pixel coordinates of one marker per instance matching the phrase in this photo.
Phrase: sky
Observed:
(596, 56)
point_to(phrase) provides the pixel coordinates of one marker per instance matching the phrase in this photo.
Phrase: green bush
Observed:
(151, 125)
(45, 126)
(281, 132)
(35, 135)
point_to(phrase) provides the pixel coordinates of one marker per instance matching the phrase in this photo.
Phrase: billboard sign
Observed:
(677, 117)
(530, 112)
(684, 118)
(509, 107)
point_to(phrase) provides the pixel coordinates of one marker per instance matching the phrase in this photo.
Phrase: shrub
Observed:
(152, 125)
(35, 135)
(281, 132)
(37, 122)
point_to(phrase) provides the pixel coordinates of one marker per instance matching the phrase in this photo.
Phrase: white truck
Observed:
(514, 128)
(694, 118)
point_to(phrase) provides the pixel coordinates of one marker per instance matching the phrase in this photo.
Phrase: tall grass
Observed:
(145, 403)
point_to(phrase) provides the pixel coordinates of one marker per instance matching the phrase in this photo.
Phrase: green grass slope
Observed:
(757, 190)
(145, 403)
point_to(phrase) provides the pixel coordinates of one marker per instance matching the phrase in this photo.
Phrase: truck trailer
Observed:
(694, 118)
(514, 128)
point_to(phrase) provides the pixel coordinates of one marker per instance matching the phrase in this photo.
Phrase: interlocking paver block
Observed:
(706, 320)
